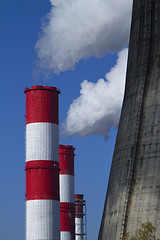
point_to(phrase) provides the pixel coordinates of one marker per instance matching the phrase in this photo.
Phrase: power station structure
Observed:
(42, 164)
(80, 217)
(67, 203)
(133, 195)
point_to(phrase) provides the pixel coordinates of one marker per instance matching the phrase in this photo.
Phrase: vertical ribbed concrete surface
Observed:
(133, 195)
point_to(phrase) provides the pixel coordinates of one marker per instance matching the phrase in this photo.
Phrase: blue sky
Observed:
(20, 24)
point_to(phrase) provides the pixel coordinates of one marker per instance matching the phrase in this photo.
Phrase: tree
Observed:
(146, 232)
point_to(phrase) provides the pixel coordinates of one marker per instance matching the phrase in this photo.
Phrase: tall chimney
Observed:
(79, 225)
(67, 206)
(133, 195)
(42, 164)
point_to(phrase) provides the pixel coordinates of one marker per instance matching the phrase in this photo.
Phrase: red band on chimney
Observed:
(78, 196)
(79, 205)
(42, 180)
(66, 159)
(67, 215)
(42, 164)
(42, 104)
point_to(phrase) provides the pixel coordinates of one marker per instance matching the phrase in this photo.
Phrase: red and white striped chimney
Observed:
(42, 164)
(67, 206)
(79, 231)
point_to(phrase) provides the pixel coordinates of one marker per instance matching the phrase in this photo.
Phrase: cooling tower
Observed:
(133, 195)
(67, 205)
(42, 164)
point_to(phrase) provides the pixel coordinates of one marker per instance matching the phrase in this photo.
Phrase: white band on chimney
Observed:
(42, 141)
(66, 235)
(66, 188)
(41, 221)
(79, 228)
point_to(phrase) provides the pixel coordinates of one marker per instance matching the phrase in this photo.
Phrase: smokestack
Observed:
(133, 193)
(67, 205)
(42, 164)
(80, 225)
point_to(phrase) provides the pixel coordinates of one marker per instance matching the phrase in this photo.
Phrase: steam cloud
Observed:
(78, 29)
(98, 107)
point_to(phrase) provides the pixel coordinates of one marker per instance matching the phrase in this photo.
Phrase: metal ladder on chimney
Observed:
(82, 204)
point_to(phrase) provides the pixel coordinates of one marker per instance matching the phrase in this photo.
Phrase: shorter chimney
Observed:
(67, 205)
(80, 217)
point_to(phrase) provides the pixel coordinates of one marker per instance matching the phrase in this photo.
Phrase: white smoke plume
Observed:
(98, 107)
(78, 29)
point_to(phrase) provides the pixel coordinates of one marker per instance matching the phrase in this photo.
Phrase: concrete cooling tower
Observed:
(133, 195)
